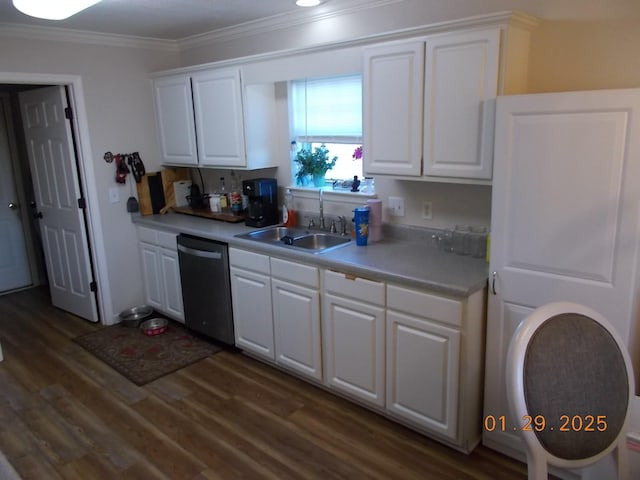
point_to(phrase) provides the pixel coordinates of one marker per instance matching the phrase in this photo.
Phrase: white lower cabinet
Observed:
(416, 357)
(353, 334)
(423, 357)
(161, 271)
(296, 317)
(251, 300)
(276, 311)
(434, 363)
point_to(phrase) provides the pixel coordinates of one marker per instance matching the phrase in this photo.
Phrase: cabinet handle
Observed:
(493, 282)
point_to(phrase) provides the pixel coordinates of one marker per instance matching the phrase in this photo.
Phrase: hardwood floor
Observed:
(65, 414)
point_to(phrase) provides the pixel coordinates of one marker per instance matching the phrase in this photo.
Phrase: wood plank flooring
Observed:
(66, 415)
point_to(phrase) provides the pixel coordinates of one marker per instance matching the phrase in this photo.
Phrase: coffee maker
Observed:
(263, 201)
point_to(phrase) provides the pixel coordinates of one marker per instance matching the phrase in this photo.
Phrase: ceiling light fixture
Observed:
(308, 3)
(52, 9)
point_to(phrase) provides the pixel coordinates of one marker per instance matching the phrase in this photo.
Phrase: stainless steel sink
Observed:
(274, 234)
(320, 241)
(297, 239)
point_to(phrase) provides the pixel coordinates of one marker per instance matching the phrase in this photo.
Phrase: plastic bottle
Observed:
(288, 213)
(224, 198)
(235, 197)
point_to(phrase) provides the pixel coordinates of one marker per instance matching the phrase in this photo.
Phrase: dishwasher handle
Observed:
(200, 253)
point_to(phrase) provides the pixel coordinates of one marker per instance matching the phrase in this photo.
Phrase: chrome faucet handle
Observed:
(343, 224)
(332, 229)
(312, 223)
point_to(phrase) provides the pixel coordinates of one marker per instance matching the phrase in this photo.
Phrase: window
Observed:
(328, 111)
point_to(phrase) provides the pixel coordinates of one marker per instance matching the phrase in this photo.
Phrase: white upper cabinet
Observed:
(210, 119)
(392, 108)
(459, 103)
(429, 106)
(174, 118)
(217, 100)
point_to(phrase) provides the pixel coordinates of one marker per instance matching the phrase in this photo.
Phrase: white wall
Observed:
(120, 119)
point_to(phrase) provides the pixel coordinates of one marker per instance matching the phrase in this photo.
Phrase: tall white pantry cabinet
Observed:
(565, 222)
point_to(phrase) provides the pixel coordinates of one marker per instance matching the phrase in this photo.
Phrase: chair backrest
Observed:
(569, 376)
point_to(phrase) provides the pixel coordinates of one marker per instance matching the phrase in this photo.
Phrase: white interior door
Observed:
(14, 262)
(57, 189)
(564, 216)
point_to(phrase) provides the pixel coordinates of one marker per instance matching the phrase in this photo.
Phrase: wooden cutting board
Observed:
(155, 190)
(170, 175)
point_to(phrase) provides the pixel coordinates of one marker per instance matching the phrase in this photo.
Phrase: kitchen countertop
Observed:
(411, 263)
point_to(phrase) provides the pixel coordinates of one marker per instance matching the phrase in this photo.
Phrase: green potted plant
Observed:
(314, 164)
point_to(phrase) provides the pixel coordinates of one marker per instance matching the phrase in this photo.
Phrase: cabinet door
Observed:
(153, 287)
(217, 98)
(252, 313)
(296, 318)
(170, 269)
(174, 118)
(461, 72)
(422, 372)
(354, 348)
(392, 108)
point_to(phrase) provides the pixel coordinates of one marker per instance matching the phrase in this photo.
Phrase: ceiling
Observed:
(167, 19)
(180, 19)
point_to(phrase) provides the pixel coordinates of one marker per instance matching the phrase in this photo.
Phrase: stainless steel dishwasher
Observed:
(206, 287)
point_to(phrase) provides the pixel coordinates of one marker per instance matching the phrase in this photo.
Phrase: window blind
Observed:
(327, 109)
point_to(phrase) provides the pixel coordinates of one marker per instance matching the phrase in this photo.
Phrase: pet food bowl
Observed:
(132, 317)
(154, 326)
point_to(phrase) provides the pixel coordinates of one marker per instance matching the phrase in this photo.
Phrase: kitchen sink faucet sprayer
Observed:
(321, 225)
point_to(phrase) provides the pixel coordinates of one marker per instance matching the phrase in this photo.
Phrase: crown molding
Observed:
(31, 32)
(265, 25)
(501, 19)
(279, 22)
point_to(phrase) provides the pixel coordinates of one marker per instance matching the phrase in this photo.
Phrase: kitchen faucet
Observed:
(321, 225)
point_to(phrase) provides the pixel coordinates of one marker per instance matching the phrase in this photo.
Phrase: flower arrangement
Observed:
(357, 153)
(315, 163)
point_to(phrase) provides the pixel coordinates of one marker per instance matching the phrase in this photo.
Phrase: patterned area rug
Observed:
(142, 358)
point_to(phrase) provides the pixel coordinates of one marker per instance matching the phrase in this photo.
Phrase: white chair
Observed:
(567, 368)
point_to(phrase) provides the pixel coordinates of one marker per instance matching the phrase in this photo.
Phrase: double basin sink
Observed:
(298, 238)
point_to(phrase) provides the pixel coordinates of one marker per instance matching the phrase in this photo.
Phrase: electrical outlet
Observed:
(427, 212)
(396, 206)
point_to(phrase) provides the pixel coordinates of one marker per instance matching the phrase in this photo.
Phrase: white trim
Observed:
(277, 22)
(86, 173)
(344, 197)
(56, 34)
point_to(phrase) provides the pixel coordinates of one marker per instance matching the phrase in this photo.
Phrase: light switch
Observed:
(114, 195)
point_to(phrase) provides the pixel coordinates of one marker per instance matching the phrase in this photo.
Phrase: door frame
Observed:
(86, 174)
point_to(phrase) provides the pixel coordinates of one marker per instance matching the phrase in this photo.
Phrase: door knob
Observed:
(12, 205)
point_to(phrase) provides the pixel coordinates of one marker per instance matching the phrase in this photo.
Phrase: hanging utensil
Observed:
(132, 201)
(137, 167)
